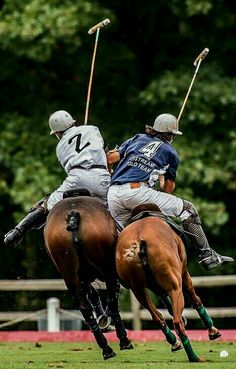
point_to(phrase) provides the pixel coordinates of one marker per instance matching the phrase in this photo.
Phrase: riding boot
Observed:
(34, 219)
(207, 256)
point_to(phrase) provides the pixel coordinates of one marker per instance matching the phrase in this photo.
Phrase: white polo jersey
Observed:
(81, 153)
(83, 146)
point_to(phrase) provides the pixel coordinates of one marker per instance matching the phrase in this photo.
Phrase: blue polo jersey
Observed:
(144, 155)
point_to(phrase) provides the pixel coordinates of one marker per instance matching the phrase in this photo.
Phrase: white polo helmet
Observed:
(166, 123)
(60, 121)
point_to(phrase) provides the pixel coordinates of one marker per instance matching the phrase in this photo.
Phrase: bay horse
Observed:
(151, 255)
(80, 237)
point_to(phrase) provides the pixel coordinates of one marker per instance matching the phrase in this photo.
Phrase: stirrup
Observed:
(211, 259)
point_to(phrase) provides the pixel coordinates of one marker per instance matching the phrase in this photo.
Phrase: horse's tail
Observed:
(144, 260)
(143, 253)
(73, 221)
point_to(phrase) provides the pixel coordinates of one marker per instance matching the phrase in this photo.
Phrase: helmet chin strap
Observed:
(172, 138)
(58, 135)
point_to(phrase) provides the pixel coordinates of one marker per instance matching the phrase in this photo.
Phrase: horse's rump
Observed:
(80, 237)
(157, 234)
(151, 255)
(164, 249)
(96, 234)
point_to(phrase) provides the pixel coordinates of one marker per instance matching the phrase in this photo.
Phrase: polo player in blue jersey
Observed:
(143, 160)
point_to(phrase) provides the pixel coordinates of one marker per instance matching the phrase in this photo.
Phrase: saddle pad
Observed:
(178, 229)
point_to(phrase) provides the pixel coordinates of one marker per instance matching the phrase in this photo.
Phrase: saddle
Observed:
(76, 192)
(152, 210)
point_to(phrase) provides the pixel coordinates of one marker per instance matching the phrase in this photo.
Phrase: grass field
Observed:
(88, 356)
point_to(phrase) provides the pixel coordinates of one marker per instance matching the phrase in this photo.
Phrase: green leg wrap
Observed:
(192, 356)
(170, 337)
(206, 319)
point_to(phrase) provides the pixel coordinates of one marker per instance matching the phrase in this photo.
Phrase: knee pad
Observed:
(41, 204)
(189, 213)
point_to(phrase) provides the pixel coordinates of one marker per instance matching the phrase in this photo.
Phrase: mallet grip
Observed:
(201, 56)
(102, 24)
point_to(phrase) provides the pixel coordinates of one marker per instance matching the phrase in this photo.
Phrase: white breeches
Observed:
(122, 199)
(95, 180)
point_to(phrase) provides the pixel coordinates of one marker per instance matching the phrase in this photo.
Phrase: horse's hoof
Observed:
(177, 346)
(213, 333)
(195, 359)
(126, 345)
(110, 328)
(104, 321)
(214, 336)
(107, 353)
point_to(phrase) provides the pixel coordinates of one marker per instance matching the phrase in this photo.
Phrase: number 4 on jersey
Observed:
(150, 149)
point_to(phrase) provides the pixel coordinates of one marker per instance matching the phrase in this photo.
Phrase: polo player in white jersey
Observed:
(80, 151)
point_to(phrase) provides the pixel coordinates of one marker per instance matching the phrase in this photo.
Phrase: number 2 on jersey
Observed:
(78, 141)
(150, 149)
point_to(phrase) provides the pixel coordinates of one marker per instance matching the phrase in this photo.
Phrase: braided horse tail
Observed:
(73, 222)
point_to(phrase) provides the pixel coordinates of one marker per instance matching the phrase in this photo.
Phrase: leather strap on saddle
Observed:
(149, 213)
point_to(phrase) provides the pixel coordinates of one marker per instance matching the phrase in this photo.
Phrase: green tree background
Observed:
(143, 68)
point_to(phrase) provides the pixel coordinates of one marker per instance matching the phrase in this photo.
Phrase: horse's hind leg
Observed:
(167, 302)
(113, 290)
(95, 300)
(196, 303)
(177, 299)
(103, 319)
(84, 305)
(145, 300)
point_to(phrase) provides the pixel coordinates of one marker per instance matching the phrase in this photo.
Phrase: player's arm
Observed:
(113, 157)
(167, 181)
(166, 185)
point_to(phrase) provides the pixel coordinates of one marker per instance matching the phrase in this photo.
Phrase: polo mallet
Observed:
(196, 63)
(96, 29)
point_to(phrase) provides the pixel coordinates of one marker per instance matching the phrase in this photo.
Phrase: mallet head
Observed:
(201, 56)
(102, 24)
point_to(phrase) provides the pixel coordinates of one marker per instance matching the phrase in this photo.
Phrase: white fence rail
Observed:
(136, 315)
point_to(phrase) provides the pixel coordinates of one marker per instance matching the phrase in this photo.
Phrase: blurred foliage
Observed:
(36, 28)
(144, 66)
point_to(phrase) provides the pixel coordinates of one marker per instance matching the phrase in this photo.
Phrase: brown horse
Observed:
(80, 237)
(150, 254)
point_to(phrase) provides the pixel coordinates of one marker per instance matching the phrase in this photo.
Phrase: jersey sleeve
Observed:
(173, 166)
(123, 147)
(95, 132)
